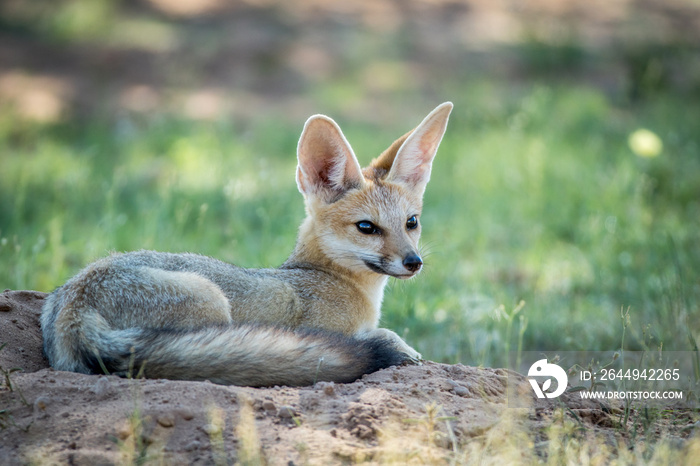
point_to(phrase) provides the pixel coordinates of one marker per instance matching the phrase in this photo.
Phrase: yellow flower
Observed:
(645, 143)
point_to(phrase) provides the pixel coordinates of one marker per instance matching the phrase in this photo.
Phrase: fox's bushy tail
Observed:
(245, 355)
(248, 355)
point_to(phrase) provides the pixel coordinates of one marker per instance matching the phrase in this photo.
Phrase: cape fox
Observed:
(186, 316)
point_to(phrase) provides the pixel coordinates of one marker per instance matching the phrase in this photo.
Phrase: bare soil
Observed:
(418, 412)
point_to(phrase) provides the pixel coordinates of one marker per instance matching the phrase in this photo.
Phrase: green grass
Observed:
(535, 196)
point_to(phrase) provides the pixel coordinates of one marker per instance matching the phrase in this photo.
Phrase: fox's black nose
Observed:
(412, 262)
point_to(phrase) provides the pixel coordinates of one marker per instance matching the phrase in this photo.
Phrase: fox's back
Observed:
(127, 288)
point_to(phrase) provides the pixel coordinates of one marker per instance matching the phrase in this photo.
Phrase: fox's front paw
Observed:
(412, 356)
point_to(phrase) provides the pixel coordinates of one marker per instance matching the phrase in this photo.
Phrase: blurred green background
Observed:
(565, 198)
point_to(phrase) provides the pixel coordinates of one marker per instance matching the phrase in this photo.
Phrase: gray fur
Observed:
(105, 313)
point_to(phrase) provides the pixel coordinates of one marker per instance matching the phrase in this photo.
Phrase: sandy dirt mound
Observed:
(417, 413)
(19, 330)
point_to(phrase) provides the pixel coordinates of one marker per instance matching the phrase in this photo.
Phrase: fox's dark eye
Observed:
(412, 223)
(367, 227)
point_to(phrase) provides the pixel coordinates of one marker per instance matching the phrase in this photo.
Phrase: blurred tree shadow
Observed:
(209, 59)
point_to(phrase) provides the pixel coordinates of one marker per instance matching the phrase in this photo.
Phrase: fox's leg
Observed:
(187, 300)
(398, 342)
(150, 297)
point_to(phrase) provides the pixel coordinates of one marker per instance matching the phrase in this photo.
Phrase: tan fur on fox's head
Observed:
(367, 220)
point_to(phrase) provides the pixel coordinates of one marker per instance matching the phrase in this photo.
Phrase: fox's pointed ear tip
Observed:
(442, 111)
(318, 118)
(446, 106)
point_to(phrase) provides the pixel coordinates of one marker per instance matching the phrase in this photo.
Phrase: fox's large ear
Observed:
(327, 165)
(413, 159)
